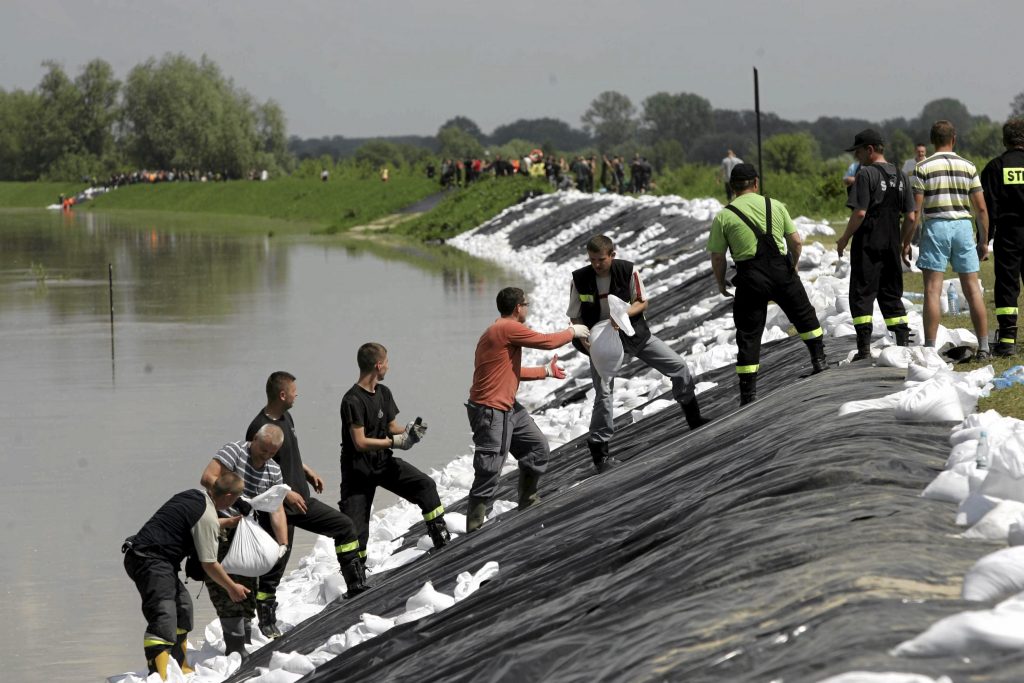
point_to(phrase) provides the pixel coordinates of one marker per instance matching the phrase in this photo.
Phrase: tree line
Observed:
(171, 113)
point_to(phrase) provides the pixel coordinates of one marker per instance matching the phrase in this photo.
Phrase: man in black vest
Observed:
(879, 195)
(756, 230)
(1003, 183)
(186, 525)
(588, 304)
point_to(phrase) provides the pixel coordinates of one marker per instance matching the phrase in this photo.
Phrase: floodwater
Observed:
(96, 444)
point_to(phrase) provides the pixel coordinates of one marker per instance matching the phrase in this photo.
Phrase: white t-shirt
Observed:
(205, 532)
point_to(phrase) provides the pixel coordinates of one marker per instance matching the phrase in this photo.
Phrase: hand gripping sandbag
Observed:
(618, 311)
(253, 552)
(605, 350)
(271, 499)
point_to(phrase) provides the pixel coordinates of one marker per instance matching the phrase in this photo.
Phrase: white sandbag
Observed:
(995, 526)
(967, 633)
(277, 676)
(377, 625)
(605, 350)
(618, 311)
(253, 552)
(1015, 536)
(894, 357)
(1000, 485)
(427, 596)
(936, 400)
(466, 584)
(292, 662)
(973, 508)
(884, 403)
(883, 677)
(414, 615)
(271, 499)
(996, 576)
(950, 487)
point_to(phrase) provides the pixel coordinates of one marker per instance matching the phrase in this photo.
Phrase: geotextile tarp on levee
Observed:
(778, 543)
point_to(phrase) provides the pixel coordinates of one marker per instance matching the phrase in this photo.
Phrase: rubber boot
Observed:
(438, 532)
(179, 652)
(1004, 349)
(863, 342)
(902, 334)
(599, 453)
(247, 631)
(157, 657)
(528, 482)
(692, 412)
(234, 635)
(354, 574)
(816, 347)
(266, 610)
(475, 514)
(748, 388)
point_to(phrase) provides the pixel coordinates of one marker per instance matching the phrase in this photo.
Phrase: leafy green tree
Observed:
(458, 144)
(272, 137)
(19, 112)
(55, 128)
(791, 152)
(559, 134)
(1017, 105)
(464, 124)
(984, 141)
(99, 108)
(682, 117)
(609, 119)
(899, 148)
(946, 108)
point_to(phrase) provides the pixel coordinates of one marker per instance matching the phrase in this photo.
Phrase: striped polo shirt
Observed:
(235, 458)
(946, 180)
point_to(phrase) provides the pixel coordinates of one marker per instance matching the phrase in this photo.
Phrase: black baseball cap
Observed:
(868, 136)
(741, 172)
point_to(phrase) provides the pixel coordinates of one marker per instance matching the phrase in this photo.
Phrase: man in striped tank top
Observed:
(948, 189)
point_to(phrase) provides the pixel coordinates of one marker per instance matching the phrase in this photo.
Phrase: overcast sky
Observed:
(388, 67)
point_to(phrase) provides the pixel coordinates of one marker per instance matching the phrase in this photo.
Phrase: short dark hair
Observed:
(600, 244)
(369, 354)
(742, 185)
(228, 482)
(1013, 133)
(942, 133)
(277, 382)
(508, 299)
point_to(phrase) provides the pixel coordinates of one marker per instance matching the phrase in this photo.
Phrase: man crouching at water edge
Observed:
(588, 304)
(253, 462)
(500, 424)
(186, 525)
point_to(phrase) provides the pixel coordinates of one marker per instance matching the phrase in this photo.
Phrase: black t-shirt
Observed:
(868, 190)
(371, 411)
(288, 457)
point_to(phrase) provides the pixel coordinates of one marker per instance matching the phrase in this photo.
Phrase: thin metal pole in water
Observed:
(757, 114)
(110, 289)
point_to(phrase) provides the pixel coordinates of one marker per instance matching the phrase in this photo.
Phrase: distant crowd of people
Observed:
(582, 174)
(176, 175)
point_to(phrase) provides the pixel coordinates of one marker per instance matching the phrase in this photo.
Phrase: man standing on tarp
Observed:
(301, 509)
(186, 525)
(253, 462)
(1003, 183)
(500, 424)
(765, 246)
(588, 304)
(879, 195)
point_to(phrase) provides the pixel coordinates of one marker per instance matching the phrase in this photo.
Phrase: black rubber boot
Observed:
(816, 347)
(438, 532)
(266, 610)
(902, 334)
(354, 574)
(234, 635)
(863, 342)
(599, 453)
(748, 388)
(692, 412)
(475, 513)
(528, 482)
(1004, 349)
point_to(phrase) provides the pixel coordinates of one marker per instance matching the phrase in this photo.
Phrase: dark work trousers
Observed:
(1009, 245)
(496, 433)
(319, 518)
(397, 476)
(876, 274)
(758, 281)
(166, 604)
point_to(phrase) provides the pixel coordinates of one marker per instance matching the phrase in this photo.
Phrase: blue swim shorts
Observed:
(945, 241)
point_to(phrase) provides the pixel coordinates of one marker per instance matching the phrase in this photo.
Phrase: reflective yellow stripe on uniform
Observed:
(746, 369)
(362, 554)
(181, 631)
(587, 298)
(433, 514)
(1007, 341)
(813, 334)
(263, 597)
(897, 320)
(347, 547)
(1007, 310)
(153, 641)
(861, 319)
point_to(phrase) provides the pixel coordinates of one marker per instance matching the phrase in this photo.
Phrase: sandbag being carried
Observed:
(605, 350)
(253, 551)
(271, 499)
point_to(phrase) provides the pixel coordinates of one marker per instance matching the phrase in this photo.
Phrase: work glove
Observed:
(282, 550)
(243, 506)
(553, 369)
(416, 430)
(580, 331)
(401, 441)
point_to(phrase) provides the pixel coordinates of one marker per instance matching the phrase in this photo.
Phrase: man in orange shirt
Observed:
(500, 424)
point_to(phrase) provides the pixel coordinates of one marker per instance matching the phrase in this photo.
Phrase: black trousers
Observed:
(319, 518)
(1009, 248)
(876, 274)
(166, 604)
(358, 487)
(756, 285)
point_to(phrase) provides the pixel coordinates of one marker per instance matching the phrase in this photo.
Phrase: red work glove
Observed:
(554, 369)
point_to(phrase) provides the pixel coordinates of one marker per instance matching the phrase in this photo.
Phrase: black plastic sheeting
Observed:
(778, 543)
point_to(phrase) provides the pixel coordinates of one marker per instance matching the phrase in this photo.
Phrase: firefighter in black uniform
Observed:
(1003, 183)
(752, 227)
(880, 193)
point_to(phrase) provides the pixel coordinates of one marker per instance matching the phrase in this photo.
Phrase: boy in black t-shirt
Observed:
(369, 434)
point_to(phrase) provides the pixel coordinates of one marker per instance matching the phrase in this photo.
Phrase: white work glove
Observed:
(580, 331)
(401, 441)
(281, 550)
(553, 369)
(416, 431)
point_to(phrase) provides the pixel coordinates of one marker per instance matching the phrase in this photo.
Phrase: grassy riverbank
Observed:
(35, 195)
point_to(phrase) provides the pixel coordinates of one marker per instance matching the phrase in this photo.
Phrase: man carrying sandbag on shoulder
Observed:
(253, 461)
(588, 304)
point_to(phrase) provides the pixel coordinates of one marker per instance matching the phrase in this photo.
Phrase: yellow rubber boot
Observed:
(179, 651)
(157, 657)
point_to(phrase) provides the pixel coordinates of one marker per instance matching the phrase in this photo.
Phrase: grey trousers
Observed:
(656, 354)
(496, 433)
